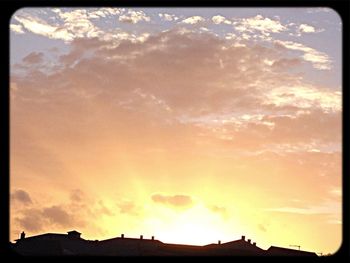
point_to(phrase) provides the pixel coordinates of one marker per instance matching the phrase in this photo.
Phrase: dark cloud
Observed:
(312, 125)
(286, 64)
(81, 211)
(21, 196)
(173, 200)
(33, 58)
(31, 220)
(57, 215)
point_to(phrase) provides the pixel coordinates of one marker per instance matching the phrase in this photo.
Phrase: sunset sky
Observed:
(192, 125)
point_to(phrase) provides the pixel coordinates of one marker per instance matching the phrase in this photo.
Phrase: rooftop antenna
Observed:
(295, 246)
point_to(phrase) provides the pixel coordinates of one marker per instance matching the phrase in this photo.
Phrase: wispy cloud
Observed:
(330, 208)
(128, 207)
(41, 27)
(173, 200)
(33, 58)
(305, 96)
(77, 195)
(318, 59)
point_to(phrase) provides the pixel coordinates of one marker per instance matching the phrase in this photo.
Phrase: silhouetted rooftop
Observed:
(280, 251)
(72, 244)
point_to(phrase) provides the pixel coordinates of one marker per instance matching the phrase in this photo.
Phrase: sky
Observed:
(192, 125)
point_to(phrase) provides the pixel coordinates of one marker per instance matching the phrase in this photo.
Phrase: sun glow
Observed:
(197, 226)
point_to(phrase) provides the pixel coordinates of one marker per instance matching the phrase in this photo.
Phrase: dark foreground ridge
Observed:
(72, 244)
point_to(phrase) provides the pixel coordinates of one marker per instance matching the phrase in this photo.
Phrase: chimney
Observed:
(141, 237)
(74, 234)
(219, 242)
(152, 237)
(23, 235)
(243, 237)
(254, 244)
(249, 241)
(122, 236)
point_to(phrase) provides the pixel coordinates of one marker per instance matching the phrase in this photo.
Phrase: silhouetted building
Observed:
(72, 244)
(280, 251)
(74, 234)
(237, 247)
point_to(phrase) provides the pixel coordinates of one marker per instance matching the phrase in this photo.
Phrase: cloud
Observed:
(31, 220)
(83, 213)
(221, 210)
(305, 96)
(304, 28)
(18, 29)
(259, 24)
(333, 208)
(57, 215)
(318, 59)
(218, 19)
(127, 207)
(286, 63)
(21, 196)
(40, 27)
(193, 20)
(34, 58)
(168, 17)
(77, 195)
(103, 209)
(77, 24)
(134, 17)
(173, 200)
(262, 227)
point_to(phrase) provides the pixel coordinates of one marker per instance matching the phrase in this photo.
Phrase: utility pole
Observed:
(295, 246)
